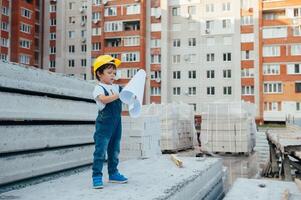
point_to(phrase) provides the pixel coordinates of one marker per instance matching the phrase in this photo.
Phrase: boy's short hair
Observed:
(102, 68)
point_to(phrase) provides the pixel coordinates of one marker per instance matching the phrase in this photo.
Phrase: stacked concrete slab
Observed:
(177, 125)
(47, 122)
(262, 189)
(150, 179)
(228, 127)
(140, 137)
(262, 148)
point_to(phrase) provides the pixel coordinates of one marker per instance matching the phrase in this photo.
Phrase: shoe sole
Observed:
(97, 187)
(111, 181)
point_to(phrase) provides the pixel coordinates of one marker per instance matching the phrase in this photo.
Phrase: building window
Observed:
(227, 73)
(52, 36)
(96, 46)
(24, 59)
(272, 87)
(71, 48)
(176, 11)
(96, 2)
(155, 91)
(226, 6)
(71, 5)
(26, 13)
(155, 75)
(246, 4)
(298, 87)
(52, 64)
(294, 68)
(25, 43)
(211, 90)
(271, 69)
(96, 16)
(177, 75)
(296, 49)
(210, 73)
(210, 7)
(274, 32)
(176, 42)
(226, 23)
(113, 26)
(52, 8)
(227, 90)
(83, 62)
(96, 31)
(192, 74)
(155, 43)
(272, 106)
(4, 42)
(155, 58)
(297, 30)
(71, 63)
(131, 41)
(176, 59)
(84, 48)
(111, 11)
(271, 51)
(298, 106)
(191, 90)
(177, 91)
(190, 58)
(130, 57)
(209, 25)
(191, 10)
(25, 28)
(133, 9)
(191, 42)
(247, 20)
(247, 73)
(5, 10)
(4, 26)
(247, 90)
(247, 55)
(297, 12)
(3, 57)
(52, 50)
(52, 22)
(210, 57)
(226, 56)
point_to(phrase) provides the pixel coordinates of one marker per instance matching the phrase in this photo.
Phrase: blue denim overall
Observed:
(107, 137)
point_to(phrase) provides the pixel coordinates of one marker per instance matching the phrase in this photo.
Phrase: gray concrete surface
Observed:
(157, 178)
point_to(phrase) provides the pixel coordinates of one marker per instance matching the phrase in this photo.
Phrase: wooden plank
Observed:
(176, 160)
(25, 107)
(31, 79)
(18, 167)
(23, 138)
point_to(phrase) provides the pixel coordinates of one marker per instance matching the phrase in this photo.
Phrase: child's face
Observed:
(108, 76)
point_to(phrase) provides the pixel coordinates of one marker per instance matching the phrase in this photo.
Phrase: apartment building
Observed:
(280, 60)
(21, 31)
(202, 53)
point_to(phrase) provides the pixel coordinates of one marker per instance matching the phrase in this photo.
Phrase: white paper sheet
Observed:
(132, 93)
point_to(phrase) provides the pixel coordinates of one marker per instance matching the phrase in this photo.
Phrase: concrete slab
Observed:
(157, 178)
(262, 189)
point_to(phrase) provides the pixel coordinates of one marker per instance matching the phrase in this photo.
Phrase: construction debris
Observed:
(176, 160)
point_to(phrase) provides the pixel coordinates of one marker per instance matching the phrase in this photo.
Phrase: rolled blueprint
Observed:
(132, 93)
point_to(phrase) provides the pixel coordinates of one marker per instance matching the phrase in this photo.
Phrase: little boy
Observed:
(107, 134)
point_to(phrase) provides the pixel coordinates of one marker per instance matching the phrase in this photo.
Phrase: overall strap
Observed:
(106, 92)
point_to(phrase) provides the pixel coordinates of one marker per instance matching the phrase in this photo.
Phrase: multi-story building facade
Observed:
(280, 60)
(21, 31)
(203, 56)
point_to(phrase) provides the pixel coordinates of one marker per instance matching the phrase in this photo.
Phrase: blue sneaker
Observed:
(117, 178)
(97, 182)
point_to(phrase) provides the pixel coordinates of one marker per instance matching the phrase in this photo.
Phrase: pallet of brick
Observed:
(47, 122)
(177, 125)
(140, 137)
(228, 127)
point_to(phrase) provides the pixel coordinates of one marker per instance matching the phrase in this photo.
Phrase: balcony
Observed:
(131, 26)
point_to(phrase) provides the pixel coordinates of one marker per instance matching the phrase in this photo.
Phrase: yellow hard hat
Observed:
(105, 59)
